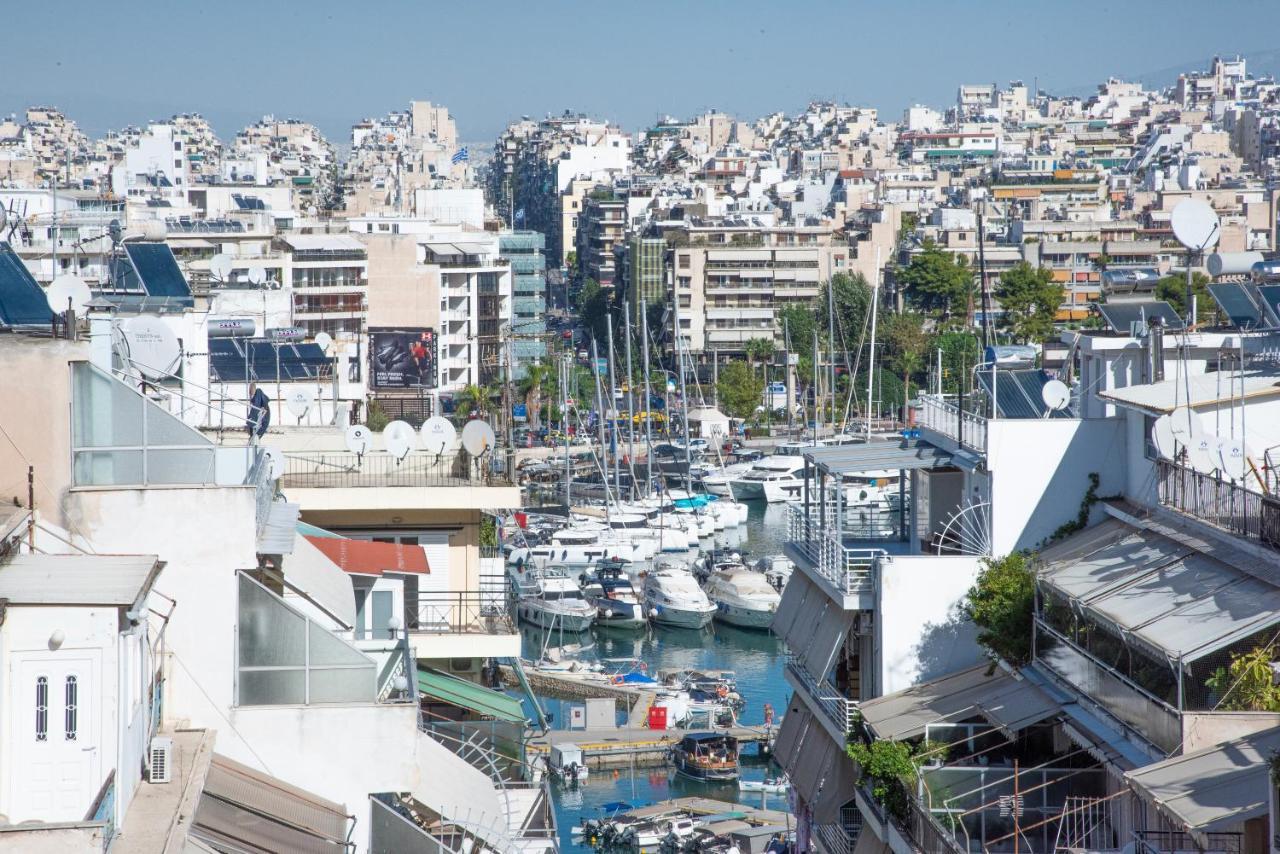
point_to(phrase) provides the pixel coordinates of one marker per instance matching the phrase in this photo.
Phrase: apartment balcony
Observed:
(840, 711)
(1171, 842)
(1232, 507)
(850, 570)
(964, 428)
(476, 623)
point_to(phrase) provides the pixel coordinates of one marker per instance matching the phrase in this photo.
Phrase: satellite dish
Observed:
(257, 275)
(68, 287)
(1186, 425)
(399, 439)
(1056, 395)
(153, 348)
(478, 437)
(1195, 224)
(1203, 453)
(275, 462)
(438, 435)
(1234, 456)
(324, 340)
(359, 438)
(220, 267)
(299, 401)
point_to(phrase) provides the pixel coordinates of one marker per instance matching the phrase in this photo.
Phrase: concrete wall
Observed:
(1213, 728)
(919, 630)
(53, 839)
(1040, 472)
(401, 292)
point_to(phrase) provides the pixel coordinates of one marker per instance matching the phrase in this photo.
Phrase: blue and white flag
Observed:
(519, 214)
(460, 156)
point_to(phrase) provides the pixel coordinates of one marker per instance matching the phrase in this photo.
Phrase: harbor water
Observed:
(757, 657)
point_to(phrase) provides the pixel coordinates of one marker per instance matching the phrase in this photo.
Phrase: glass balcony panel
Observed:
(194, 465)
(342, 685)
(270, 633)
(104, 412)
(166, 429)
(107, 468)
(327, 650)
(272, 687)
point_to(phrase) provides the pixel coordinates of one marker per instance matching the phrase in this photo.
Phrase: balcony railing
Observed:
(341, 469)
(488, 611)
(1222, 503)
(1167, 842)
(851, 570)
(942, 416)
(835, 838)
(839, 709)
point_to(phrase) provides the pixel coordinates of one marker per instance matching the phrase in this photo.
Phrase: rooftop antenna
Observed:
(257, 275)
(151, 346)
(438, 435)
(300, 401)
(220, 267)
(478, 438)
(275, 462)
(1056, 395)
(1197, 228)
(68, 292)
(358, 439)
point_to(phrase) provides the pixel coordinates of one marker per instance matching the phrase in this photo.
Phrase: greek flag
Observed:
(520, 215)
(460, 156)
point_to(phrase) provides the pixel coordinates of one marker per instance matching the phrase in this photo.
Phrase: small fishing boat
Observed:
(707, 757)
(770, 786)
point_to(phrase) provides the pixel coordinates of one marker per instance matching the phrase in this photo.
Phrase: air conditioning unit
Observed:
(160, 760)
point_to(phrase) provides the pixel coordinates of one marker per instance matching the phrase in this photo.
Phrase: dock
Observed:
(619, 747)
(566, 687)
(701, 807)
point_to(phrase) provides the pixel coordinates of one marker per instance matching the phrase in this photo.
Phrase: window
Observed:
(42, 708)
(684, 262)
(71, 708)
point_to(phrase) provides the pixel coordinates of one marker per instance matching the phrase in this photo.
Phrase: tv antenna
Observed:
(299, 402)
(478, 438)
(324, 341)
(358, 440)
(152, 347)
(399, 439)
(68, 291)
(438, 435)
(1197, 228)
(220, 267)
(275, 462)
(257, 275)
(1056, 395)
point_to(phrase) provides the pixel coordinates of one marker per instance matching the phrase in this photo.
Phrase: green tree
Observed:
(1173, 290)
(759, 351)
(960, 352)
(1246, 686)
(537, 385)
(939, 282)
(890, 768)
(907, 344)
(1001, 603)
(909, 223)
(593, 308)
(799, 322)
(1030, 299)
(852, 298)
(376, 419)
(472, 399)
(740, 390)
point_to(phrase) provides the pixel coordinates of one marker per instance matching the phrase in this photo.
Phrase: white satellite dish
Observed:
(275, 462)
(153, 348)
(478, 437)
(1195, 224)
(299, 402)
(438, 435)
(1056, 395)
(359, 438)
(399, 437)
(324, 339)
(1203, 453)
(68, 287)
(1186, 425)
(220, 267)
(1233, 454)
(257, 275)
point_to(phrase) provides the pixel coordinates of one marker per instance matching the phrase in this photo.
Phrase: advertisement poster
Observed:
(402, 358)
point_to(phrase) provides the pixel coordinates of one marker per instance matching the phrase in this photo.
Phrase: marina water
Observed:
(757, 657)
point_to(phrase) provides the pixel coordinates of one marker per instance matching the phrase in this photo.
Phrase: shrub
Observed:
(1001, 602)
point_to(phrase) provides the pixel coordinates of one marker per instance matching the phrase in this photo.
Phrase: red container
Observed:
(657, 717)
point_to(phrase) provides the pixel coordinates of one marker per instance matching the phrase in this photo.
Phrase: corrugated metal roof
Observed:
(281, 529)
(35, 579)
(1214, 788)
(248, 810)
(1009, 703)
(1175, 600)
(878, 455)
(468, 695)
(1198, 390)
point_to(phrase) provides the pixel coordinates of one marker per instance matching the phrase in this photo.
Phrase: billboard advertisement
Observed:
(402, 358)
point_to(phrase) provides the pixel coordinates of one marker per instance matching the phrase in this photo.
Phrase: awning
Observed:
(832, 628)
(246, 810)
(879, 456)
(365, 557)
(795, 725)
(1214, 788)
(311, 574)
(468, 695)
(798, 591)
(322, 243)
(280, 530)
(1005, 702)
(837, 789)
(817, 754)
(1176, 601)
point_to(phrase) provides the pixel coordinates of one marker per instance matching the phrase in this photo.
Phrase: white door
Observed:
(57, 737)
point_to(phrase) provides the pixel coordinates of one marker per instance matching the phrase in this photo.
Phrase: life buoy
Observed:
(617, 680)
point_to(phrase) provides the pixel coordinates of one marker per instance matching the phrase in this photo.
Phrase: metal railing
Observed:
(835, 839)
(103, 809)
(943, 416)
(851, 570)
(1222, 503)
(341, 469)
(839, 709)
(488, 611)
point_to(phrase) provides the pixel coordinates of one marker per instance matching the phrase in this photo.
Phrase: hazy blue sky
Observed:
(112, 64)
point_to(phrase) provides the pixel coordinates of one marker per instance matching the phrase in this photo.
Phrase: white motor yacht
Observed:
(581, 549)
(617, 604)
(673, 598)
(776, 478)
(742, 598)
(556, 603)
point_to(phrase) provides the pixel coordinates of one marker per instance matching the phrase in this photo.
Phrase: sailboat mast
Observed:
(631, 401)
(648, 415)
(613, 403)
(871, 357)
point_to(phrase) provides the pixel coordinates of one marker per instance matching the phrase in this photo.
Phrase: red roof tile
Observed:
(365, 557)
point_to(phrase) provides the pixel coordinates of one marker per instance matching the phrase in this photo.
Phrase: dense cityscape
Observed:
(822, 481)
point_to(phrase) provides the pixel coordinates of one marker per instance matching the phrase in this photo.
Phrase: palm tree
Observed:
(759, 350)
(472, 399)
(539, 380)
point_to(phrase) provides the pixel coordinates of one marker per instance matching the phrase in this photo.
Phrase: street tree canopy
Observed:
(1173, 290)
(936, 281)
(740, 390)
(1030, 299)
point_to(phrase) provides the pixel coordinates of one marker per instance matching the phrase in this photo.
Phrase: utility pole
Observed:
(648, 406)
(631, 401)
